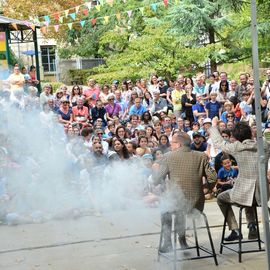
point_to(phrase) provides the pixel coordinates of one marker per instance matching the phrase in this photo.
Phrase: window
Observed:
(48, 58)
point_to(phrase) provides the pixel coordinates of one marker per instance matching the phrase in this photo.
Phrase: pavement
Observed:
(120, 240)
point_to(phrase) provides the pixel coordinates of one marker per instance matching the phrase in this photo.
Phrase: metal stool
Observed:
(240, 241)
(209, 253)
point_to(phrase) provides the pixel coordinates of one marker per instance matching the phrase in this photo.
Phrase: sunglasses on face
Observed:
(230, 116)
(66, 102)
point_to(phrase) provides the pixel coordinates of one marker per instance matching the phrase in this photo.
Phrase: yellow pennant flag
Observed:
(118, 16)
(110, 2)
(77, 9)
(66, 12)
(33, 27)
(106, 19)
(98, 7)
(43, 30)
(14, 25)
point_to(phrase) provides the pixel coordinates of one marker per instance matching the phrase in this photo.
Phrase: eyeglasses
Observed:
(65, 102)
(111, 99)
(99, 133)
(230, 116)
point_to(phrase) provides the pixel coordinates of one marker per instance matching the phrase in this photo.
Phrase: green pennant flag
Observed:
(82, 23)
(70, 26)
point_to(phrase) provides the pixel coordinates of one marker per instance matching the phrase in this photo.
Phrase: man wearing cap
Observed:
(159, 104)
(185, 169)
(198, 143)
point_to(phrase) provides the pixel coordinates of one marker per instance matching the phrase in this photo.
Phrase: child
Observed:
(228, 106)
(213, 107)
(226, 175)
(245, 106)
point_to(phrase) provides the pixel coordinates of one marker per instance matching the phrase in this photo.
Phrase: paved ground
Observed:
(124, 240)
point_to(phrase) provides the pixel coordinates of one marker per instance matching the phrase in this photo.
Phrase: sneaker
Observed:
(233, 236)
(253, 233)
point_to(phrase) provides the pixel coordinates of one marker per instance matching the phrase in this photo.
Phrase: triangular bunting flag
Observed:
(89, 5)
(73, 16)
(33, 27)
(106, 19)
(77, 9)
(47, 18)
(46, 23)
(98, 7)
(82, 23)
(61, 19)
(66, 12)
(56, 16)
(154, 7)
(101, 2)
(118, 16)
(94, 21)
(142, 10)
(129, 13)
(166, 3)
(86, 12)
(43, 30)
(70, 25)
(14, 25)
(56, 28)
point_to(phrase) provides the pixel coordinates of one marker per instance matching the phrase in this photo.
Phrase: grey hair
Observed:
(183, 138)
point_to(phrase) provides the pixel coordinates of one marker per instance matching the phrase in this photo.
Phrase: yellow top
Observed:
(176, 99)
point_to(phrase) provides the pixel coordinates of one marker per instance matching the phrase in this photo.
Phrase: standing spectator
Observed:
(16, 79)
(200, 88)
(222, 94)
(91, 93)
(242, 87)
(176, 97)
(154, 86)
(27, 80)
(188, 100)
(213, 107)
(147, 100)
(33, 76)
(76, 93)
(162, 88)
(232, 92)
(104, 93)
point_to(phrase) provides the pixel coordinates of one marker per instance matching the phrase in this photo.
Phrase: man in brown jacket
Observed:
(185, 169)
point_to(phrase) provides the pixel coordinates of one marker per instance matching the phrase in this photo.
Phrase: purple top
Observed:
(113, 110)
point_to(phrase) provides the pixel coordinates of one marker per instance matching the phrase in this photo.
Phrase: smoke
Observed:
(46, 176)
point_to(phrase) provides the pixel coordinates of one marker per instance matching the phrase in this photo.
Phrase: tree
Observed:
(203, 21)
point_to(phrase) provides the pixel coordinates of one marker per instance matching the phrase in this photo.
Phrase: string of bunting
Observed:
(78, 9)
(44, 29)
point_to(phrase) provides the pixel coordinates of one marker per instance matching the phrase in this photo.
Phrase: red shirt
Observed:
(93, 93)
(80, 114)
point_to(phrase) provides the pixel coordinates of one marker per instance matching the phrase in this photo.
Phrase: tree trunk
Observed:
(212, 41)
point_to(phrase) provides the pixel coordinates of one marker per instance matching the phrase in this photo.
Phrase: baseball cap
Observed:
(196, 134)
(207, 120)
